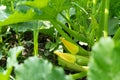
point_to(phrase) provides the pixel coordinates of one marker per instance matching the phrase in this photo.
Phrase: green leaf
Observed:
(113, 25)
(104, 63)
(5, 75)
(32, 25)
(51, 46)
(39, 69)
(18, 17)
(50, 31)
(11, 61)
(25, 26)
(58, 5)
(27, 14)
(12, 56)
(2, 77)
(1, 69)
(37, 3)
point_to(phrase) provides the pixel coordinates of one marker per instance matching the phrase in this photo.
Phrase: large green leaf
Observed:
(39, 69)
(104, 62)
(34, 10)
(37, 3)
(11, 61)
(12, 56)
(18, 17)
(25, 14)
(25, 26)
(43, 26)
(113, 26)
(2, 77)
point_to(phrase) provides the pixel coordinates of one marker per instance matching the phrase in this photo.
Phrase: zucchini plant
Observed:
(69, 23)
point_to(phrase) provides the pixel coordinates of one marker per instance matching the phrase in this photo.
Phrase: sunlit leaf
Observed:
(113, 26)
(12, 56)
(2, 77)
(104, 62)
(39, 69)
(37, 3)
(25, 16)
(18, 17)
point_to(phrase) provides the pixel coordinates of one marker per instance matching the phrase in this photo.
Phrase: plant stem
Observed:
(35, 34)
(61, 31)
(73, 33)
(106, 13)
(103, 23)
(81, 8)
(82, 51)
(79, 75)
(94, 7)
(12, 77)
(66, 19)
(12, 6)
(1, 39)
(8, 72)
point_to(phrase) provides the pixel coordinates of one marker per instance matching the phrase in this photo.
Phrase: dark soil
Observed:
(27, 42)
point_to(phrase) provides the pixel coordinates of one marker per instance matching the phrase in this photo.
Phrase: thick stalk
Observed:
(12, 6)
(103, 23)
(82, 51)
(106, 13)
(94, 7)
(79, 75)
(73, 33)
(8, 72)
(36, 42)
(61, 31)
(35, 34)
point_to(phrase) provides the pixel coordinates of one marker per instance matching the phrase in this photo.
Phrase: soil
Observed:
(27, 42)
